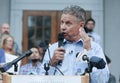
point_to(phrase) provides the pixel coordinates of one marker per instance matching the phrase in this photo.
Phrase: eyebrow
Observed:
(6, 27)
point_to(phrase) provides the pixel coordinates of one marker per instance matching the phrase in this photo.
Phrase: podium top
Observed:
(44, 79)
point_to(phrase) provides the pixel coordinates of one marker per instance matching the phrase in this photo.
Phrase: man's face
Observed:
(5, 29)
(35, 54)
(90, 25)
(70, 26)
(41, 50)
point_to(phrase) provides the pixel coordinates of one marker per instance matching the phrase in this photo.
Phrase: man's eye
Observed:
(68, 23)
(62, 22)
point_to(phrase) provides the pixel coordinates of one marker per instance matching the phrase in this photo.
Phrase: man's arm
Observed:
(98, 75)
(52, 57)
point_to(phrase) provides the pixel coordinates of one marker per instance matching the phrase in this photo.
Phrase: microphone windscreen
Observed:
(97, 62)
(60, 36)
(60, 39)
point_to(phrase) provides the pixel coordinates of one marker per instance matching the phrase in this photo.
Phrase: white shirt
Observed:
(95, 36)
(9, 58)
(70, 66)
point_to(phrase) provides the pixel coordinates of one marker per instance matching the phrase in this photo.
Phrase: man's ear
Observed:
(82, 24)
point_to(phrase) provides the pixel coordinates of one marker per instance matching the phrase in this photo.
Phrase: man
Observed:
(34, 66)
(76, 40)
(89, 28)
(112, 78)
(42, 48)
(5, 29)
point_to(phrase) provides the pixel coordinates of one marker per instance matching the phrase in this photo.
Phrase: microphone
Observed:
(60, 39)
(84, 57)
(94, 61)
(60, 42)
(97, 62)
(7, 66)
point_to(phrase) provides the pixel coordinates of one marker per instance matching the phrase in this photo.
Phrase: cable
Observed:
(51, 61)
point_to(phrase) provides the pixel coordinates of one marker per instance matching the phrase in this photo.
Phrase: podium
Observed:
(44, 79)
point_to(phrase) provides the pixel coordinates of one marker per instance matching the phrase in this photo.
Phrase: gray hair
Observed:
(76, 11)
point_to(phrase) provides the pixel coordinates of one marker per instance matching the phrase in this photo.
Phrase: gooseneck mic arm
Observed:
(7, 66)
(86, 58)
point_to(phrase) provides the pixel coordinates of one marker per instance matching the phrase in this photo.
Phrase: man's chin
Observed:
(67, 38)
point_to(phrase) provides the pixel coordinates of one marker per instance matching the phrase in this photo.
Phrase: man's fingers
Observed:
(60, 57)
(57, 53)
(83, 34)
(61, 49)
(86, 39)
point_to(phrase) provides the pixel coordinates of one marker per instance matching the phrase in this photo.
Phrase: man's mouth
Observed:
(35, 60)
(65, 34)
(6, 32)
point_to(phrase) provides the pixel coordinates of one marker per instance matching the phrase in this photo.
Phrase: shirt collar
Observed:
(80, 41)
(38, 64)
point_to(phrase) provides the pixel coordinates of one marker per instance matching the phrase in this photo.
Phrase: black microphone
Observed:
(60, 42)
(97, 62)
(60, 39)
(7, 66)
(94, 61)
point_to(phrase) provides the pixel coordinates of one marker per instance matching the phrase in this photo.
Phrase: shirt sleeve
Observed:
(2, 56)
(98, 75)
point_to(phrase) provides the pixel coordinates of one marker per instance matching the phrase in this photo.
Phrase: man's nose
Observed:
(34, 53)
(63, 27)
(6, 29)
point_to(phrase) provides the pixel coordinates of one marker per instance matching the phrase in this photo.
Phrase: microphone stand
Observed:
(7, 66)
(89, 69)
(46, 67)
(15, 67)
